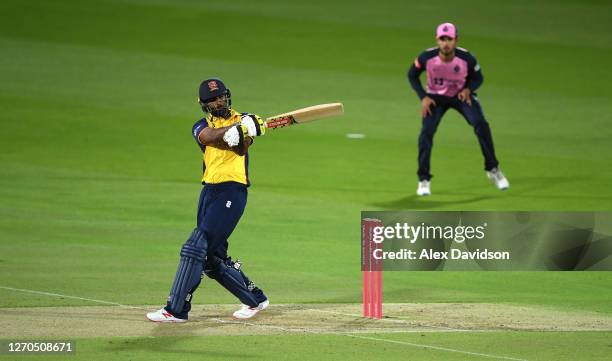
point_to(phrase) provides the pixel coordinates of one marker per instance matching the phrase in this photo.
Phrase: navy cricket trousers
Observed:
(219, 210)
(473, 115)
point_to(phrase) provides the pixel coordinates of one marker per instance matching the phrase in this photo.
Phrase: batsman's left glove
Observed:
(237, 139)
(234, 136)
(254, 124)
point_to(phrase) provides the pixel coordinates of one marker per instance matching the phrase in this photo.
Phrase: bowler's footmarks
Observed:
(498, 178)
(164, 316)
(246, 312)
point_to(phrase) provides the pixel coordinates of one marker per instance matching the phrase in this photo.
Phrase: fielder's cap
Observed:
(446, 29)
(212, 88)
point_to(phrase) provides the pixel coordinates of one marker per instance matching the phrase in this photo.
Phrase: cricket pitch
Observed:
(129, 321)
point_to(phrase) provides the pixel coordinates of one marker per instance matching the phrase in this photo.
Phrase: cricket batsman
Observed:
(453, 75)
(224, 136)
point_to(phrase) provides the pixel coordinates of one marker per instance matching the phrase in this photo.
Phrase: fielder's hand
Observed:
(254, 125)
(465, 96)
(426, 104)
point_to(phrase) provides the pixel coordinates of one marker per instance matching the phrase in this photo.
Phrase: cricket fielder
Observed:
(453, 75)
(224, 137)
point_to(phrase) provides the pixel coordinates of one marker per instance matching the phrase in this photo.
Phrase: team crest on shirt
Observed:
(456, 68)
(212, 85)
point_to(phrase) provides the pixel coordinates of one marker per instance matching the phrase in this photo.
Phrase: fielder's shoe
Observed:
(163, 316)
(498, 178)
(423, 189)
(246, 312)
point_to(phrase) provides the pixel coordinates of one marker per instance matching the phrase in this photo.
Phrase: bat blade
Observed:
(304, 115)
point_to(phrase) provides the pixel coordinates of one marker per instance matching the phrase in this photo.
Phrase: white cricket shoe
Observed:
(246, 312)
(163, 316)
(498, 178)
(423, 189)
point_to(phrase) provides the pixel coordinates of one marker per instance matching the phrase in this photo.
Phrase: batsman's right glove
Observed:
(254, 124)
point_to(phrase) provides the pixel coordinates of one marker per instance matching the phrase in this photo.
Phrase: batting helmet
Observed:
(211, 89)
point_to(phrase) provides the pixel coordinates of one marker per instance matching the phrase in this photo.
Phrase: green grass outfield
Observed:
(99, 172)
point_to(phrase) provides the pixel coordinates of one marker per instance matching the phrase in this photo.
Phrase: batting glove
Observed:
(234, 136)
(254, 125)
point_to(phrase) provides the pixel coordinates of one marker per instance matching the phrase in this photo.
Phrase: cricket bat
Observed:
(304, 115)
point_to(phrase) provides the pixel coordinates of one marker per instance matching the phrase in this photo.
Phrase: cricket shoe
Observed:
(246, 312)
(164, 316)
(423, 189)
(498, 178)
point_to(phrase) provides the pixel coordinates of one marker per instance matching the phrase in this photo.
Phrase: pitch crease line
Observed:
(275, 327)
(435, 348)
(68, 296)
(396, 321)
(438, 348)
